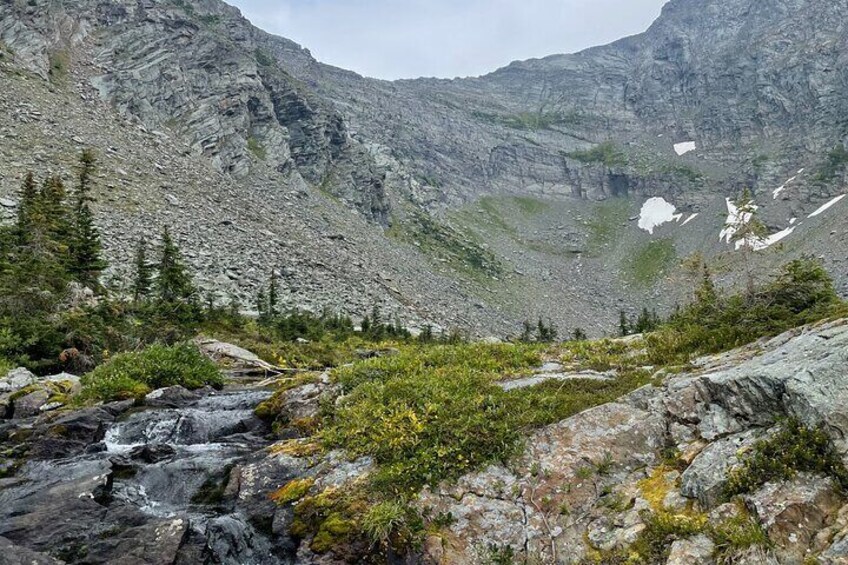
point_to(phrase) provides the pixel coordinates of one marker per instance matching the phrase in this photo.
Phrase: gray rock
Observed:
(16, 380)
(694, 551)
(793, 512)
(706, 477)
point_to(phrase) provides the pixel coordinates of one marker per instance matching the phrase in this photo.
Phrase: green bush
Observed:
(132, 375)
(802, 293)
(794, 449)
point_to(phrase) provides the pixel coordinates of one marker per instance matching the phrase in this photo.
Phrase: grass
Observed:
(532, 121)
(607, 223)
(651, 260)
(133, 375)
(445, 243)
(255, 147)
(606, 153)
(531, 206)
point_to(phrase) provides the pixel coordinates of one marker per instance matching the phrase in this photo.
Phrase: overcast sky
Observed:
(446, 38)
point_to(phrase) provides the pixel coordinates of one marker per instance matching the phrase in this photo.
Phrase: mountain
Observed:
(472, 203)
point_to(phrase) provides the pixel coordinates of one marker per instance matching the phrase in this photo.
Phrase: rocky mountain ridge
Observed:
(503, 191)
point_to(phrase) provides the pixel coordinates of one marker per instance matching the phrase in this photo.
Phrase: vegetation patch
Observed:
(292, 491)
(606, 153)
(133, 375)
(255, 147)
(607, 224)
(531, 206)
(445, 243)
(801, 294)
(794, 449)
(833, 165)
(651, 260)
(533, 121)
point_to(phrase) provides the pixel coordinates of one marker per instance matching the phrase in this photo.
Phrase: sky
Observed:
(394, 39)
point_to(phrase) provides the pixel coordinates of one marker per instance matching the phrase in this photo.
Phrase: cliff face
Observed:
(714, 97)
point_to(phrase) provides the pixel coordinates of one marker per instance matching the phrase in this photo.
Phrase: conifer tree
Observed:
(174, 284)
(28, 197)
(143, 279)
(86, 262)
(273, 296)
(623, 324)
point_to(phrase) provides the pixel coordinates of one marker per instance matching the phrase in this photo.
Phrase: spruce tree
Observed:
(27, 200)
(273, 296)
(86, 262)
(623, 324)
(174, 284)
(143, 279)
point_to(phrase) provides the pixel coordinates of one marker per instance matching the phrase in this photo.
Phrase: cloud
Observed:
(446, 38)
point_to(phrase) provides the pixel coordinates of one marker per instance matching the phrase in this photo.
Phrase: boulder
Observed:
(793, 512)
(171, 397)
(17, 379)
(694, 551)
(705, 478)
(30, 404)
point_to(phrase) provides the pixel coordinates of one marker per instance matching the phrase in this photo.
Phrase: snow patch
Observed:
(764, 243)
(792, 221)
(656, 212)
(827, 206)
(689, 219)
(685, 147)
(735, 220)
(783, 187)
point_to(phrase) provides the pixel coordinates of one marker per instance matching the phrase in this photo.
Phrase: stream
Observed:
(119, 484)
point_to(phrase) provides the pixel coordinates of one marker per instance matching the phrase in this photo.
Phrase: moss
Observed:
(833, 165)
(333, 531)
(297, 448)
(292, 491)
(531, 206)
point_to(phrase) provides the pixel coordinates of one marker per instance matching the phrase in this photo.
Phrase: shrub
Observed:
(802, 293)
(605, 153)
(132, 375)
(794, 448)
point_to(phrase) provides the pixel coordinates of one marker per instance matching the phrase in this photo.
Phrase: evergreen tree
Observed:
(27, 199)
(748, 233)
(623, 324)
(86, 263)
(143, 280)
(526, 332)
(578, 335)
(174, 284)
(273, 296)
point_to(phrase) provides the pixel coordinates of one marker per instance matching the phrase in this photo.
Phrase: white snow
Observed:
(801, 171)
(763, 243)
(783, 187)
(827, 206)
(689, 219)
(792, 221)
(685, 147)
(735, 220)
(656, 212)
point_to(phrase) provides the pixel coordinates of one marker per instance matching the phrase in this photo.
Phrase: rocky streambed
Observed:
(122, 484)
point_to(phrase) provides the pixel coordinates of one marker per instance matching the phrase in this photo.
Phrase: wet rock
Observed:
(30, 404)
(171, 397)
(153, 453)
